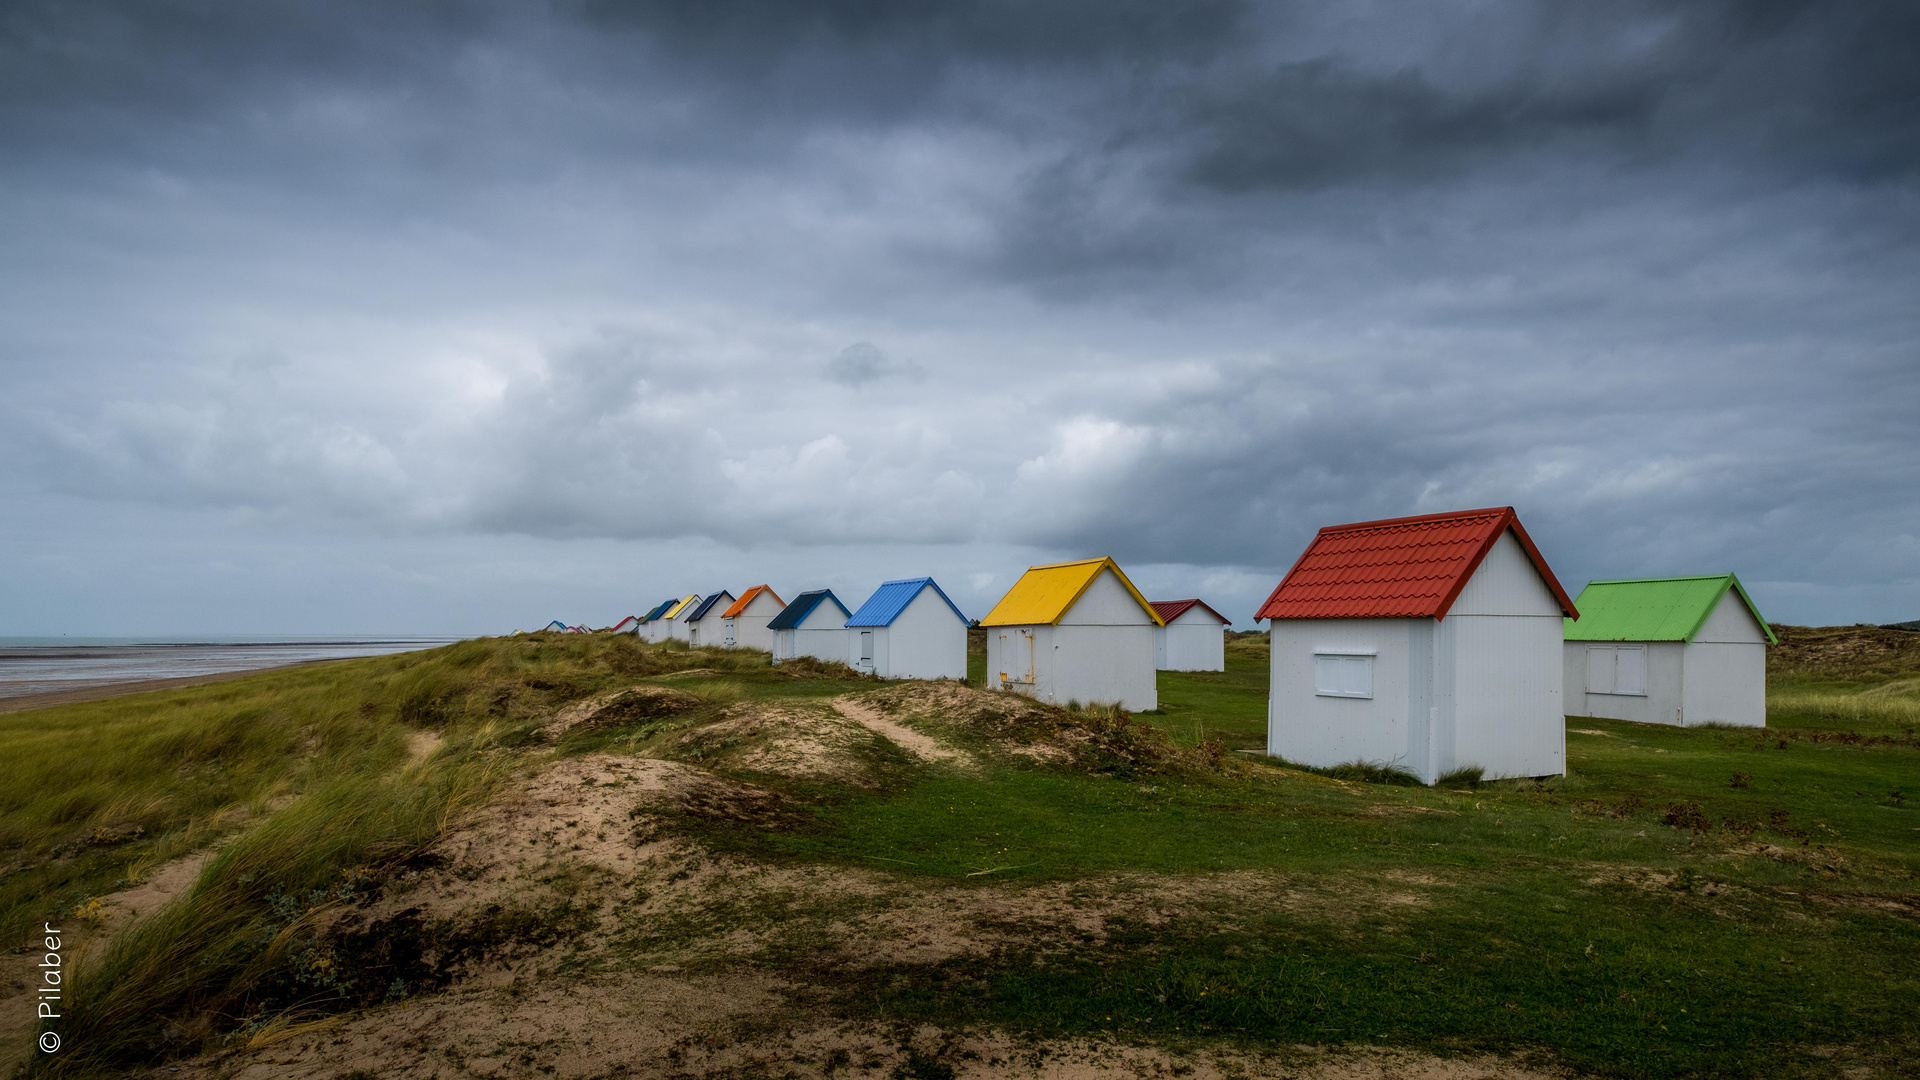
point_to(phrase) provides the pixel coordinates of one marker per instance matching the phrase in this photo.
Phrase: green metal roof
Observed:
(1654, 609)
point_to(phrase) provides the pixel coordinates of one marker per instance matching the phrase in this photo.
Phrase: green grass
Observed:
(1687, 902)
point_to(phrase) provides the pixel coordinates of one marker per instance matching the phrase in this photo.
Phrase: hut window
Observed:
(1617, 669)
(1342, 675)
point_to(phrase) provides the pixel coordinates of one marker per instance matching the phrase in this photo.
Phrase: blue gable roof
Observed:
(796, 613)
(659, 611)
(707, 605)
(892, 598)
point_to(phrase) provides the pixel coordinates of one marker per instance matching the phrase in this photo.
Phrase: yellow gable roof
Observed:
(1044, 594)
(677, 608)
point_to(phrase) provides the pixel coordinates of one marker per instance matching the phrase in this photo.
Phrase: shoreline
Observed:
(103, 691)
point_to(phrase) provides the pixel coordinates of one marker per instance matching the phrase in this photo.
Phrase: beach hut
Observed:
(908, 629)
(1683, 650)
(628, 625)
(1430, 643)
(1194, 637)
(674, 622)
(748, 618)
(1075, 631)
(651, 628)
(705, 627)
(815, 624)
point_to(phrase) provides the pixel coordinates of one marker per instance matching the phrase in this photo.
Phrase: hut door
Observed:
(1016, 659)
(866, 650)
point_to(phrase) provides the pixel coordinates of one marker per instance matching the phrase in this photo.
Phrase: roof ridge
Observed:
(1417, 519)
(1676, 577)
(1070, 562)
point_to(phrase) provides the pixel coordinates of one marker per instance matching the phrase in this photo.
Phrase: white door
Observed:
(866, 650)
(730, 633)
(1016, 659)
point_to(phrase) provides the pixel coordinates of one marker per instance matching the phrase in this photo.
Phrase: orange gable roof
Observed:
(1411, 567)
(746, 598)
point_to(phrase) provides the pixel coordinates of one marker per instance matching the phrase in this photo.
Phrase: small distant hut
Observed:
(674, 622)
(909, 629)
(705, 626)
(748, 617)
(815, 624)
(1194, 637)
(1681, 651)
(1075, 631)
(651, 628)
(628, 625)
(650, 622)
(1428, 643)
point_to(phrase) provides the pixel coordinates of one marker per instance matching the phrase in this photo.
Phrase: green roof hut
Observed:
(1682, 651)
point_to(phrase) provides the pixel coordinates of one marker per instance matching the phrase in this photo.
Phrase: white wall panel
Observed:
(1196, 641)
(1101, 664)
(750, 626)
(1506, 583)
(1731, 622)
(1308, 729)
(1726, 683)
(1106, 602)
(926, 641)
(1508, 714)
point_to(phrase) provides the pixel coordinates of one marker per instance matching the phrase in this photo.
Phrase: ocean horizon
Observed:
(44, 664)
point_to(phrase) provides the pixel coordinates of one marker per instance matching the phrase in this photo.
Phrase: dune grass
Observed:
(314, 777)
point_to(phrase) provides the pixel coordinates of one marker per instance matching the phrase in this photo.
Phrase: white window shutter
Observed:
(1630, 671)
(1599, 669)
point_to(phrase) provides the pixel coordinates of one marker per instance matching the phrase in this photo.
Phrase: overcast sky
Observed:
(458, 317)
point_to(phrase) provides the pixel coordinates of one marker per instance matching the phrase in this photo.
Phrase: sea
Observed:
(40, 665)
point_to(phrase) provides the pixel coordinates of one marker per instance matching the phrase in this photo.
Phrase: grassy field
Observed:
(1686, 902)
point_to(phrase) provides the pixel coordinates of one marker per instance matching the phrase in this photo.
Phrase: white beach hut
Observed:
(651, 626)
(1076, 631)
(1429, 643)
(705, 626)
(673, 624)
(909, 629)
(748, 618)
(1683, 651)
(815, 624)
(1194, 637)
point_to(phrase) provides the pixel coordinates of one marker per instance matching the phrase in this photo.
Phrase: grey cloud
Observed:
(862, 363)
(1178, 282)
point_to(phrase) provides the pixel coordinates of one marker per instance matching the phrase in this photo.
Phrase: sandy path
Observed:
(870, 718)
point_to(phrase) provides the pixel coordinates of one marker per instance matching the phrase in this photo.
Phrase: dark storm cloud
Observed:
(1176, 281)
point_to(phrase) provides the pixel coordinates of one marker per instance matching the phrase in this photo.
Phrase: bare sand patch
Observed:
(923, 746)
(801, 740)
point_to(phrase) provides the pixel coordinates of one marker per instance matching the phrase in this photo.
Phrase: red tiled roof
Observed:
(1410, 567)
(1172, 609)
